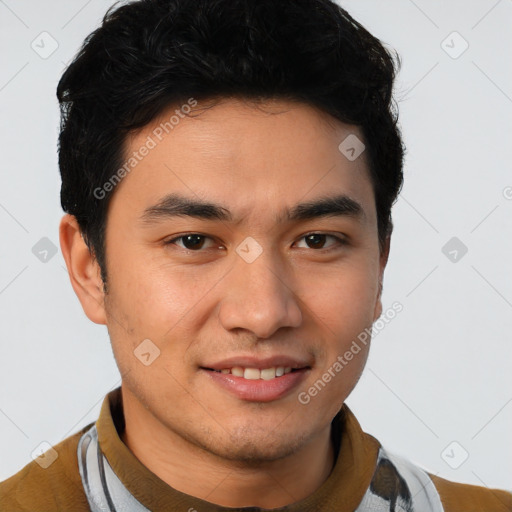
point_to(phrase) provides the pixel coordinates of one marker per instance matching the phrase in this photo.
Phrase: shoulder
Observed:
(57, 486)
(471, 498)
(412, 485)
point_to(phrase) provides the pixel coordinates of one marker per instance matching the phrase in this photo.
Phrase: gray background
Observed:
(438, 381)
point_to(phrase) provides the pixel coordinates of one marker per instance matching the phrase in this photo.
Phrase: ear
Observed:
(83, 269)
(383, 259)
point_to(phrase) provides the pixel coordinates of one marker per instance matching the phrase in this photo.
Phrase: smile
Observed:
(257, 384)
(255, 373)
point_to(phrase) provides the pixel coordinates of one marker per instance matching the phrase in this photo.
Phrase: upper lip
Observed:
(258, 362)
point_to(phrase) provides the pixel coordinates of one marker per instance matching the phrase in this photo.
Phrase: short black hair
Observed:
(148, 55)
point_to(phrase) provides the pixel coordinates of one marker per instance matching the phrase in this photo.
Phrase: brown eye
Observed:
(191, 242)
(318, 241)
(315, 241)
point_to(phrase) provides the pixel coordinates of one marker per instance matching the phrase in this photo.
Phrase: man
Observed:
(228, 172)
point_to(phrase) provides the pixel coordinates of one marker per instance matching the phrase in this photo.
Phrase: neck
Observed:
(224, 482)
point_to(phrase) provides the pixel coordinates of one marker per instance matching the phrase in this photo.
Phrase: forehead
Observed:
(256, 158)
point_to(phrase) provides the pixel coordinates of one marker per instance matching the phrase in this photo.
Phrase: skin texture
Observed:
(204, 305)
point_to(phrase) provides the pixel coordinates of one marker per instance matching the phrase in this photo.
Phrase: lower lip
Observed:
(258, 390)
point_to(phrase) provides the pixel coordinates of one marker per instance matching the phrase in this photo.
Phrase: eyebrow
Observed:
(177, 205)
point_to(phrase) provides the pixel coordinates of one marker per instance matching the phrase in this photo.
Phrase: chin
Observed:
(254, 446)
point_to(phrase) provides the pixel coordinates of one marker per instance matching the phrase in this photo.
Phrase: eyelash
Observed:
(339, 241)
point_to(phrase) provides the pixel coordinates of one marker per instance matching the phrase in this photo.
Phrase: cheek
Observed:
(345, 300)
(155, 298)
(163, 305)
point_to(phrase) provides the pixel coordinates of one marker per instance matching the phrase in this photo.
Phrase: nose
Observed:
(258, 297)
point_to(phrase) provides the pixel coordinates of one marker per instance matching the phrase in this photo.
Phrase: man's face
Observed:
(251, 290)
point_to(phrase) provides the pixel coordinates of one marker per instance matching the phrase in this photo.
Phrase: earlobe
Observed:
(83, 269)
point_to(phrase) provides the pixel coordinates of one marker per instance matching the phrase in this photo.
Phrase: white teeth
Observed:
(255, 373)
(252, 373)
(237, 371)
(268, 373)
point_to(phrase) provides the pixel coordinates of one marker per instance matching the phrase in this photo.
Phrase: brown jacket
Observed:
(59, 486)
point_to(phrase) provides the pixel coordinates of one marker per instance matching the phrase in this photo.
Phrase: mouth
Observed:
(257, 380)
(249, 373)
